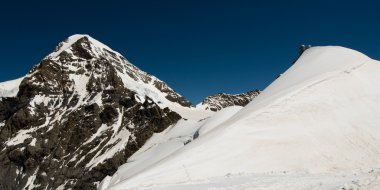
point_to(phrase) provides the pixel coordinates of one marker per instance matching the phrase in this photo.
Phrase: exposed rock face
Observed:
(219, 101)
(78, 115)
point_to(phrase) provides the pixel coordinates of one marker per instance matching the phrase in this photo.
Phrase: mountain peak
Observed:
(80, 42)
(82, 56)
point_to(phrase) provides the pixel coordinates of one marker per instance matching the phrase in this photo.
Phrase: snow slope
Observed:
(315, 127)
(10, 88)
(165, 144)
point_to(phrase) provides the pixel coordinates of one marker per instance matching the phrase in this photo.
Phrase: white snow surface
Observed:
(10, 88)
(315, 127)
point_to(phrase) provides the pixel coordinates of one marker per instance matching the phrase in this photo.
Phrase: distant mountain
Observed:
(78, 115)
(222, 100)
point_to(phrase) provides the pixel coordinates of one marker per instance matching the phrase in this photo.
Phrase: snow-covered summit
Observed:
(319, 120)
(80, 53)
(315, 64)
(67, 44)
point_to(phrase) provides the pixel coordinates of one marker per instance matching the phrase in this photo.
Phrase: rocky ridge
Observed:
(222, 100)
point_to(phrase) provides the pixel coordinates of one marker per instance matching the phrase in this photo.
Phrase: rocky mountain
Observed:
(78, 115)
(222, 100)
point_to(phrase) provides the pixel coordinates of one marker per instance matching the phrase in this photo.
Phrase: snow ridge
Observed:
(315, 127)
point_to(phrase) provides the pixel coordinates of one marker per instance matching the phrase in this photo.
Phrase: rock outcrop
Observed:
(222, 100)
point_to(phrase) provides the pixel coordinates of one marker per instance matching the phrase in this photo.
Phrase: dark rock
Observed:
(30, 164)
(303, 48)
(108, 114)
(17, 156)
(222, 100)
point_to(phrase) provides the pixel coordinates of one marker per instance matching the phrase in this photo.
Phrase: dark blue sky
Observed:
(199, 47)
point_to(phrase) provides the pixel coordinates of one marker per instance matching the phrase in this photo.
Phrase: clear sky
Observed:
(199, 47)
